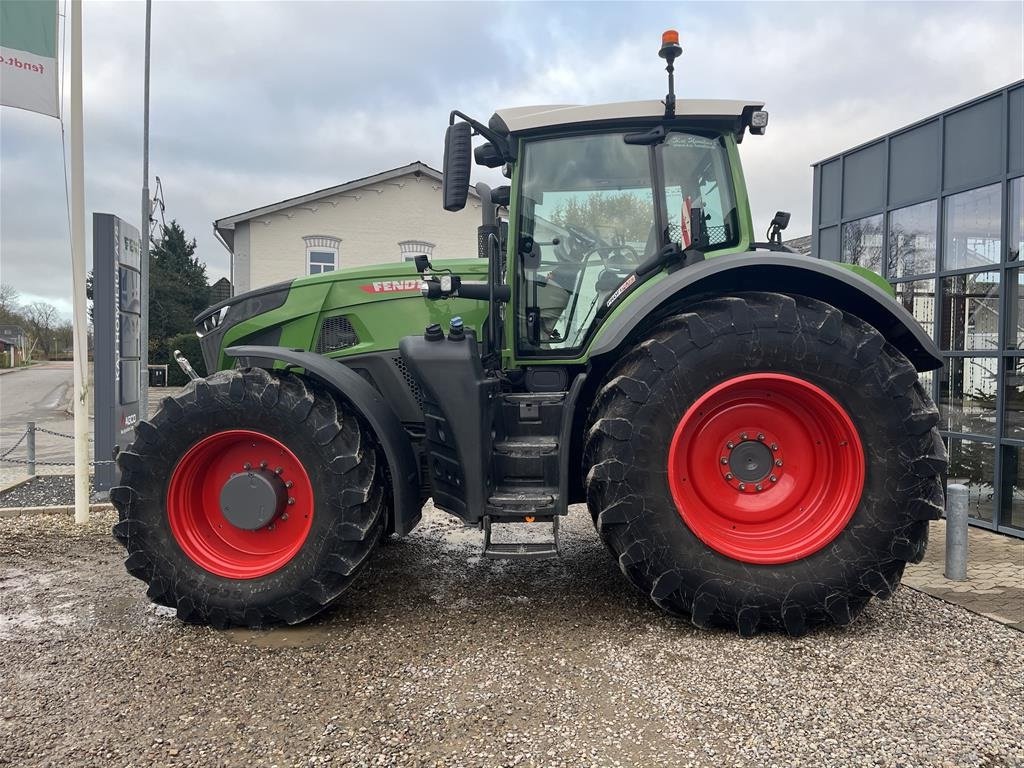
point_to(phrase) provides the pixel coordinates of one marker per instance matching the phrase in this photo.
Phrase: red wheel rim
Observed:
(766, 468)
(202, 530)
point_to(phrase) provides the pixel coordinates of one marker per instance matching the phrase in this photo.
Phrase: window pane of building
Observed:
(1014, 338)
(970, 318)
(862, 243)
(972, 463)
(927, 379)
(1016, 219)
(321, 257)
(967, 395)
(971, 228)
(1012, 496)
(912, 241)
(1013, 398)
(918, 298)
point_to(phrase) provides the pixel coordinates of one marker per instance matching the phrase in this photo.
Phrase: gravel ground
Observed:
(438, 657)
(43, 491)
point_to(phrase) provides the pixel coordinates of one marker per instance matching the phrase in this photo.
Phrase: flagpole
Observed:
(80, 334)
(144, 230)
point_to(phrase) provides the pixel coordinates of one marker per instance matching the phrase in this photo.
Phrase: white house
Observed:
(373, 220)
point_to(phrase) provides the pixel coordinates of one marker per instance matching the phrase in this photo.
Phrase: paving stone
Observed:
(995, 571)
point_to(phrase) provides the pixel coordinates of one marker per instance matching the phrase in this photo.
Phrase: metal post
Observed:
(144, 229)
(30, 447)
(956, 532)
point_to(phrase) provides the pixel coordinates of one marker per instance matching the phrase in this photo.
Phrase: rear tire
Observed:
(682, 529)
(326, 520)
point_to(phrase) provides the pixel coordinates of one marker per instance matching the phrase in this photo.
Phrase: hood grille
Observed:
(336, 333)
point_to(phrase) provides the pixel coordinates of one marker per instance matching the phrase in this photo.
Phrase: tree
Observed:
(42, 321)
(618, 217)
(178, 289)
(9, 304)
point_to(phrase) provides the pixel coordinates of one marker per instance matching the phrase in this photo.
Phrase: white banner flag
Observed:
(28, 55)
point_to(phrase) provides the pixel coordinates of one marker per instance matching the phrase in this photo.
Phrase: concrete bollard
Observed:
(956, 532)
(30, 448)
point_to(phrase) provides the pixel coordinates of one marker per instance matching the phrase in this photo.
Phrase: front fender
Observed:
(371, 406)
(781, 273)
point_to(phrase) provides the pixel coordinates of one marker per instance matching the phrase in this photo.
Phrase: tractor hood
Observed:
(348, 311)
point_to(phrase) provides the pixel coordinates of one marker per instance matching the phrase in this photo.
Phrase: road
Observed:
(41, 394)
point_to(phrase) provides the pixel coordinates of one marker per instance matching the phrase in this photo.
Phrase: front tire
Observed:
(250, 499)
(764, 462)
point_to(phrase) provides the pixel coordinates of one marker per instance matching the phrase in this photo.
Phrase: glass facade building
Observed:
(937, 208)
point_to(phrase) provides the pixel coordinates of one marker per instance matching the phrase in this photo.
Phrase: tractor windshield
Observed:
(591, 211)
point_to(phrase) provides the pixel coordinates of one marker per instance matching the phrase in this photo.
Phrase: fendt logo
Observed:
(391, 286)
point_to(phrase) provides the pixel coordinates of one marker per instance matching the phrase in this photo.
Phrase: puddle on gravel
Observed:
(308, 636)
(30, 602)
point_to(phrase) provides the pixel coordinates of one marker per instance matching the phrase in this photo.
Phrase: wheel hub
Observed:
(250, 500)
(751, 461)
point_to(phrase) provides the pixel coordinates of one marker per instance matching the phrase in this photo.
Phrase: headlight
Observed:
(211, 322)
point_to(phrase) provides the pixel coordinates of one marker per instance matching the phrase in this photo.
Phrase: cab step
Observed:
(521, 550)
(527, 446)
(518, 500)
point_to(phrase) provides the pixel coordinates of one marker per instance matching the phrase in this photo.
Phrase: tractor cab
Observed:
(602, 198)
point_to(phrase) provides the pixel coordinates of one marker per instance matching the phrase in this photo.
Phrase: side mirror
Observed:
(422, 262)
(458, 155)
(779, 223)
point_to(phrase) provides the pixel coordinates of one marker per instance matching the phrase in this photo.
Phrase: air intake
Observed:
(336, 334)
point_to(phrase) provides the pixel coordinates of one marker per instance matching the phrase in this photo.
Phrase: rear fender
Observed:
(781, 273)
(393, 439)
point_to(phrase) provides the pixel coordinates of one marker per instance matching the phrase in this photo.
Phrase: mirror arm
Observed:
(501, 143)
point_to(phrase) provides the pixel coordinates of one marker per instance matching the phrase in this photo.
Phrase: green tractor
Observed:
(745, 424)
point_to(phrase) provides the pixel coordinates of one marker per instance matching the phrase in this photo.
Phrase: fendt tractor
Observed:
(745, 424)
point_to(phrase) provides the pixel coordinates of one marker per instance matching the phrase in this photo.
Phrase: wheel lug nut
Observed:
(288, 484)
(247, 466)
(728, 475)
(743, 436)
(760, 436)
(290, 501)
(743, 487)
(774, 479)
(774, 446)
(778, 462)
(278, 470)
(724, 460)
(263, 465)
(759, 487)
(730, 444)
(284, 516)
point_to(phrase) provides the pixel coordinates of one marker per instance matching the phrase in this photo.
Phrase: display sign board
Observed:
(117, 315)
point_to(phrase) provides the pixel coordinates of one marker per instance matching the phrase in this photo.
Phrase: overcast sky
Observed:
(256, 102)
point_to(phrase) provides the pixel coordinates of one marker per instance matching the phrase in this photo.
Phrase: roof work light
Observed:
(758, 122)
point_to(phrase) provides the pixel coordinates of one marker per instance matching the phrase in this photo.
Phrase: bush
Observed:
(188, 344)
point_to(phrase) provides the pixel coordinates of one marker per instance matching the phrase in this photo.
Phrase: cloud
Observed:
(255, 102)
